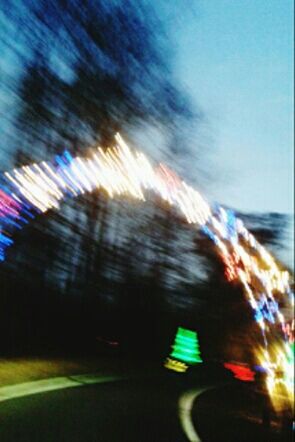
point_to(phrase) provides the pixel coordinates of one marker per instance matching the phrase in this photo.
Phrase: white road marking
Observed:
(185, 405)
(29, 388)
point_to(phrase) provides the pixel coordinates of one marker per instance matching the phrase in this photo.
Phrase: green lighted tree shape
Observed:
(186, 347)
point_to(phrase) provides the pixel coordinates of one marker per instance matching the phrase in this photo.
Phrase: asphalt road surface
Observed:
(141, 410)
(166, 407)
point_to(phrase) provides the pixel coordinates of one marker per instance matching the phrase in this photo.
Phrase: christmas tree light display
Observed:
(185, 350)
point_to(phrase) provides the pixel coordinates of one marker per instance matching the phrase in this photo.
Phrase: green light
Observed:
(186, 346)
(291, 351)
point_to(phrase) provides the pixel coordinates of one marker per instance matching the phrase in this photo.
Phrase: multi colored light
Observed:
(30, 190)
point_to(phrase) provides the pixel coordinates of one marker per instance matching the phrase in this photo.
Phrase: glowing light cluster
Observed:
(173, 364)
(119, 171)
(278, 363)
(185, 351)
(266, 287)
(241, 372)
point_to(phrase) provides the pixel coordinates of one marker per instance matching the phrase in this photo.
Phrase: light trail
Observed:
(10, 392)
(185, 406)
(30, 190)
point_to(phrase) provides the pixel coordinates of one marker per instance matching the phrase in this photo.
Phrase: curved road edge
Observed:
(185, 405)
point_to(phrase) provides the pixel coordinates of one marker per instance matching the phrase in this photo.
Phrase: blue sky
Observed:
(235, 57)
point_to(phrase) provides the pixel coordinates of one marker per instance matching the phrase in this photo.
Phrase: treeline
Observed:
(81, 71)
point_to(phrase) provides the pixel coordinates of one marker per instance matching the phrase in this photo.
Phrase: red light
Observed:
(241, 372)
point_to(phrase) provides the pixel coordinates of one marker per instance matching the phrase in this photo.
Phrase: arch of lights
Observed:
(30, 190)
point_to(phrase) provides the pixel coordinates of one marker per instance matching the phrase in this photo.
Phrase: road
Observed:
(164, 407)
(141, 410)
